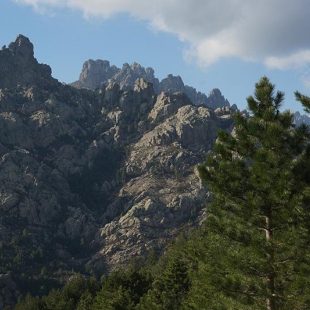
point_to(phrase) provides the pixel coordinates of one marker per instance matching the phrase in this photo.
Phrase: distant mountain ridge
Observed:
(95, 73)
(300, 118)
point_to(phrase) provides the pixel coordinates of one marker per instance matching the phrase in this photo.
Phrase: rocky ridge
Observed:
(98, 72)
(300, 118)
(18, 65)
(93, 178)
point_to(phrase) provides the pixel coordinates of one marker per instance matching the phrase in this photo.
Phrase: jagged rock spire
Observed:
(18, 65)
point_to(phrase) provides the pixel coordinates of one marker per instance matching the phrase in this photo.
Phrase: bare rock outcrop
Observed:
(216, 99)
(97, 73)
(167, 105)
(164, 194)
(18, 66)
(172, 84)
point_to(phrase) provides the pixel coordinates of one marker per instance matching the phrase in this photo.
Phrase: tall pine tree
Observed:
(256, 251)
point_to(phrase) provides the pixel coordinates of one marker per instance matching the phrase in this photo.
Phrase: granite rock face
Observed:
(95, 72)
(95, 177)
(163, 194)
(99, 72)
(167, 105)
(18, 66)
(216, 99)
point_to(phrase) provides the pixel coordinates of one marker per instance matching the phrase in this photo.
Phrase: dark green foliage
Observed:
(30, 303)
(19, 252)
(86, 301)
(254, 253)
(174, 284)
(175, 279)
(122, 290)
(171, 279)
(305, 100)
(151, 260)
(77, 293)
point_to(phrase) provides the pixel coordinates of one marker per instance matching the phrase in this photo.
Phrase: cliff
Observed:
(99, 72)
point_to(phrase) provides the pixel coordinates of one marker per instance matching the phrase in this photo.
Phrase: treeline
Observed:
(159, 284)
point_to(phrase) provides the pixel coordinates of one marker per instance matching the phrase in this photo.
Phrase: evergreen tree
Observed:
(176, 283)
(123, 289)
(255, 251)
(69, 296)
(52, 299)
(169, 289)
(30, 303)
(86, 301)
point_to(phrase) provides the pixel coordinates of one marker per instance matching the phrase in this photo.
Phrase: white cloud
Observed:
(274, 32)
(294, 61)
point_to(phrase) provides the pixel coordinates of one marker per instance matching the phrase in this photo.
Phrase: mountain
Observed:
(18, 65)
(92, 178)
(98, 72)
(300, 118)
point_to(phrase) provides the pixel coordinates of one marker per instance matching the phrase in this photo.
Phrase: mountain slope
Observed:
(92, 178)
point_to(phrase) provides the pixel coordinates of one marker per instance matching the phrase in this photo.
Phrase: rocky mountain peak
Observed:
(22, 46)
(172, 84)
(149, 71)
(216, 99)
(19, 67)
(215, 92)
(96, 73)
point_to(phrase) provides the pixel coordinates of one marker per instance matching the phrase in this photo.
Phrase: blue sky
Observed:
(227, 44)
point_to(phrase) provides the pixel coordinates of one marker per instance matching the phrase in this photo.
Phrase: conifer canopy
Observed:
(256, 252)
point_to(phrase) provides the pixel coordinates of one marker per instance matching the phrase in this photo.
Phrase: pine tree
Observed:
(123, 289)
(176, 284)
(29, 303)
(170, 287)
(255, 251)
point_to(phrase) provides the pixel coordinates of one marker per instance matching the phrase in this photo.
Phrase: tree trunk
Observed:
(270, 300)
